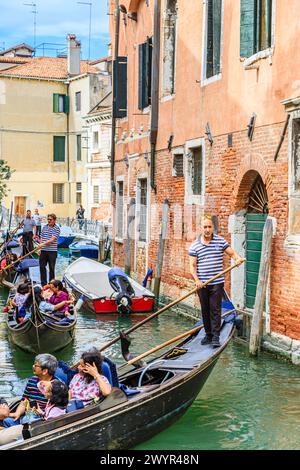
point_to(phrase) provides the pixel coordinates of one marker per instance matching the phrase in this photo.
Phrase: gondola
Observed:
(155, 396)
(66, 237)
(89, 278)
(42, 332)
(86, 248)
(7, 276)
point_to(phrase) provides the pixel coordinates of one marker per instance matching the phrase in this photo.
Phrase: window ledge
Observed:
(258, 56)
(167, 98)
(142, 244)
(292, 241)
(208, 81)
(119, 240)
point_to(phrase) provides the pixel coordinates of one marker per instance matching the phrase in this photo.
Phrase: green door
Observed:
(254, 232)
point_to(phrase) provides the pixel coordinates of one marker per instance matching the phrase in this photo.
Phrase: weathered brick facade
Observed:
(230, 171)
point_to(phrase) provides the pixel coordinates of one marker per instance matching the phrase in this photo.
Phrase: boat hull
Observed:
(65, 242)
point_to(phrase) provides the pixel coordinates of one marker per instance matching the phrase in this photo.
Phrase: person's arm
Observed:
(19, 411)
(234, 255)
(62, 304)
(193, 271)
(104, 386)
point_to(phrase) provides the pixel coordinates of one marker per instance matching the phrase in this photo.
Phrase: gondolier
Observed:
(206, 260)
(49, 237)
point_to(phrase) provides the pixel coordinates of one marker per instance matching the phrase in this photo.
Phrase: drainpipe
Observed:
(155, 89)
(113, 119)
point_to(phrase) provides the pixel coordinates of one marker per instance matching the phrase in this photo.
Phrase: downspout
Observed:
(113, 120)
(68, 142)
(155, 89)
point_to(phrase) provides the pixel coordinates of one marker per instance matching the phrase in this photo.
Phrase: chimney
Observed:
(73, 55)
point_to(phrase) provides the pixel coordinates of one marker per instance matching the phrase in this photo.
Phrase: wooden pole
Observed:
(257, 319)
(166, 307)
(161, 247)
(170, 341)
(128, 244)
(282, 137)
(101, 242)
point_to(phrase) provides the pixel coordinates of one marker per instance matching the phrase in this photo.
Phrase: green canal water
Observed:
(246, 403)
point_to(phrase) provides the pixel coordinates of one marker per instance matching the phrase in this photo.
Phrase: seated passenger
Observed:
(58, 396)
(44, 305)
(89, 383)
(18, 302)
(59, 294)
(43, 368)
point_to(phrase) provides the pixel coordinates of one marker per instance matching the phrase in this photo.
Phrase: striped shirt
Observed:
(209, 258)
(47, 233)
(33, 393)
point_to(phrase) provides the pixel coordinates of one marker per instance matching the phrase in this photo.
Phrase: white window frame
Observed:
(142, 176)
(177, 151)
(63, 193)
(207, 81)
(78, 94)
(189, 197)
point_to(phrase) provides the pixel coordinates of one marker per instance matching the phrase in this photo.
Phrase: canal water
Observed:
(246, 403)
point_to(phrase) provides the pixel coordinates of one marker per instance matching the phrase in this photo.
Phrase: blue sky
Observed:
(54, 20)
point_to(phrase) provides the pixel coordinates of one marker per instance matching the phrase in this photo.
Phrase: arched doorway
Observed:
(256, 214)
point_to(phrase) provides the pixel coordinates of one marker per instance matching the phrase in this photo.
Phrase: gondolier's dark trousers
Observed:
(27, 242)
(211, 308)
(47, 257)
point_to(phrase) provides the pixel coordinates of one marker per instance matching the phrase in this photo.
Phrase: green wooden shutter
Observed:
(209, 40)
(66, 104)
(78, 138)
(248, 27)
(55, 102)
(58, 148)
(148, 69)
(142, 76)
(217, 25)
(120, 87)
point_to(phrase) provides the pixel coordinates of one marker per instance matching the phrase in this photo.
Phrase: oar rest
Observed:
(115, 398)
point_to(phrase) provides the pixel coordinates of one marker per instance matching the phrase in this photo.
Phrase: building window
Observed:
(213, 31)
(296, 154)
(178, 165)
(169, 52)
(78, 101)
(256, 26)
(196, 171)
(59, 148)
(96, 195)
(78, 193)
(58, 193)
(120, 209)
(145, 73)
(60, 103)
(95, 141)
(142, 226)
(78, 147)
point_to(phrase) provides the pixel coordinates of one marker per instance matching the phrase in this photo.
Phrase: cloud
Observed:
(54, 20)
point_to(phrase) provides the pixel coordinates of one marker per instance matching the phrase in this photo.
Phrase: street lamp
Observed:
(90, 24)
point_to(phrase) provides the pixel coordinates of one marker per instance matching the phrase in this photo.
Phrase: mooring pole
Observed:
(161, 246)
(257, 319)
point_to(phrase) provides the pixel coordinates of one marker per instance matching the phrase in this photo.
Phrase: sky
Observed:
(54, 20)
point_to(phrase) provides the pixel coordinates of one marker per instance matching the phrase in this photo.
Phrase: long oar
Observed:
(167, 307)
(10, 237)
(170, 341)
(22, 257)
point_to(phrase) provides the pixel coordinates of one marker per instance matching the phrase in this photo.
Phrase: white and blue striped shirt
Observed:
(47, 233)
(209, 258)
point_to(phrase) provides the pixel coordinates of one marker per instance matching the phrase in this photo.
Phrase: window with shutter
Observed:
(78, 101)
(60, 103)
(120, 87)
(213, 37)
(96, 195)
(145, 74)
(142, 227)
(58, 193)
(58, 148)
(197, 163)
(169, 53)
(178, 165)
(78, 186)
(255, 26)
(78, 147)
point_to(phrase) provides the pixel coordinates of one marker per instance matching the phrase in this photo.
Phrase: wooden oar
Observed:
(22, 257)
(167, 307)
(10, 237)
(170, 341)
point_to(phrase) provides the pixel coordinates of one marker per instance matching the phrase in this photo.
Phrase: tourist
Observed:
(206, 260)
(58, 396)
(80, 216)
(49, 237)
(38, 222)
(90, 383)
(29, 230)
(45, 306)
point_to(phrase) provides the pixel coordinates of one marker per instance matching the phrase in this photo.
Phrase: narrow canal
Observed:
(246, 403)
